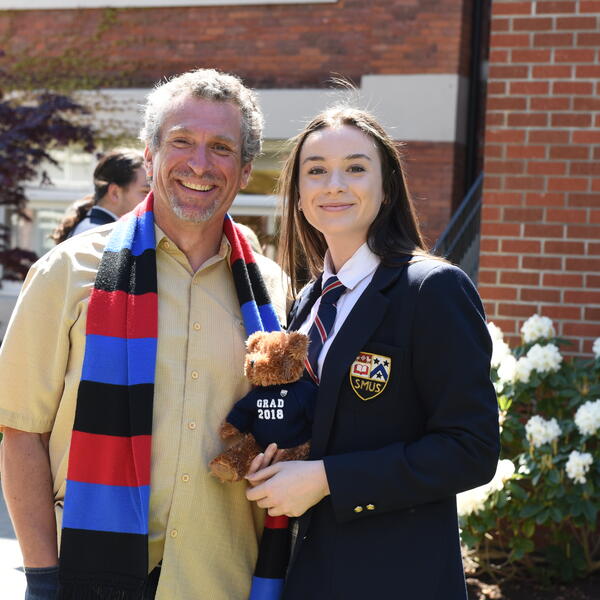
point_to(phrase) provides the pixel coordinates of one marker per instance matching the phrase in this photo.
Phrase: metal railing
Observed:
(459, 242)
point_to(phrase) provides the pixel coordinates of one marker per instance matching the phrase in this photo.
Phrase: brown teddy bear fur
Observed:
(272, 358)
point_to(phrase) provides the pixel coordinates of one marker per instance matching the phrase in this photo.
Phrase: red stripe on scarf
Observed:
(118, 314)
(244, 251)
(276, 522)
(110, 459)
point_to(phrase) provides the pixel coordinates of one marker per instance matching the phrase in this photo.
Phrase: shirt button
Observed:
(167, 245)
(195, 374)
(192, 424)
(197, 326)
(370, 507)
(358, 509)
(185, 478)
(173, 533)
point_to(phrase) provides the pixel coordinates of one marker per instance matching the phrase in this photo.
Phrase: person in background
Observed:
(120, 184)
(406, 415)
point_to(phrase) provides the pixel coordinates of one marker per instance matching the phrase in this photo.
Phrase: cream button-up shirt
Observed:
(205, 532)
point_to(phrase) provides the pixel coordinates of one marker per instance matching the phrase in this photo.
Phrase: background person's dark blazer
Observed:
(402, 456)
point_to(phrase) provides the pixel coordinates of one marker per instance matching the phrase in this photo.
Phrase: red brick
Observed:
(510, 40)
(533, 56)
(489, 307)
(529, 87)
(596, 153)
(495, 119)
(583, 88)
(586, 232)
(588, 39)
(552, 40)
(544, 199)
(498, 261)
(582, 297)
(586, 103)
(572, 215)
(528, 119)
(574, 55)
(567, 184)
(515, 310)
(497, 87)
(508, 326)
(586, 137)
(581, 329)
(594, 216)
(511, 8)
(592, 314)
(488, 276)
(552, 71)
(544, 231)
(585, 168)
(492, 183)
(526, 152)
(562, 312)
(559, 103)
(508, 72)
(570, 152)
(583, 200)
(589, 6)
(524, 183)
(562, 280)
(504, 166)
(503, 198)
(506, 103)
(490, 213)
(488, 245)
(539, 295)
(546, 168)
(500, 25)
(587, 71)
(554, 7)
(594, 249)
(521, 246)
(540, 24)
(583, 264)
(542, 263)
(571, 120)
(501, 229)
(576, 23)
(504, 135)
(523, 215)
(548, 136)
(494, 151)
(554, 247)
(499, 56)
(519, 278)
(495, 292)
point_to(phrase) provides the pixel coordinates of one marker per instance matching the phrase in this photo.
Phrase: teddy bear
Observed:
(280, 408)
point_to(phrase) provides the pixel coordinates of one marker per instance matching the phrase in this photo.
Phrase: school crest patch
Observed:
(369, 374)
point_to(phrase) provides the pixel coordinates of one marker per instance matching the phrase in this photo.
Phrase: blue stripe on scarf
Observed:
(123, 234)
(265, 589)
(118, 360)
(269, 318)
(107, 507)
(251, 317)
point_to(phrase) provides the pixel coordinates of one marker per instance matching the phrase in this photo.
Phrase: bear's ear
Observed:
(297, 345)
(254, 342)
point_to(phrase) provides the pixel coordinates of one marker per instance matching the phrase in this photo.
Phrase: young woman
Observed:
(406, 415)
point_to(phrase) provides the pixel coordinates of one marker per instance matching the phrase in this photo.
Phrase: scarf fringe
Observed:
(95, 591)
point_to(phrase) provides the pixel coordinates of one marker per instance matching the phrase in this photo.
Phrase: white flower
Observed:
(544, 359)
(578, 465)
(596, 348)
(537, 327)
(495, 332)
(523, 369)
(540, 432)
(507, 368)
(587, 417)
(472, 500)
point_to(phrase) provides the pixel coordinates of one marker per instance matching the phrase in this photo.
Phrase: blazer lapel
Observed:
(363, 320)
(299, 312)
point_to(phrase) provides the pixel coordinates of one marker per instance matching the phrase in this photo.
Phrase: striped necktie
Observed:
(324, 320)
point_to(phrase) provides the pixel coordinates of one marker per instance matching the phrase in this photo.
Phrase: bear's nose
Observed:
(251, 363)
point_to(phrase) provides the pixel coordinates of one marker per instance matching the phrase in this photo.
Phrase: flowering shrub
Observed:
(538, 516)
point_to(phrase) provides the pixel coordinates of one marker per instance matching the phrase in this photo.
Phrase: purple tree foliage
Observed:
(28, 130)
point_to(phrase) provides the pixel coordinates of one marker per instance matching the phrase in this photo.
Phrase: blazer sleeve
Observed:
(451, 351)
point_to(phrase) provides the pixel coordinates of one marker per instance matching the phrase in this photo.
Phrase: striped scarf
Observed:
(104, 543)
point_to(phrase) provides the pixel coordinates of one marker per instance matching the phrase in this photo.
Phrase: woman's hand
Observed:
(288, 488)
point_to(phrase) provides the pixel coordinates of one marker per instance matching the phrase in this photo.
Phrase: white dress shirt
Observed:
(356, 274)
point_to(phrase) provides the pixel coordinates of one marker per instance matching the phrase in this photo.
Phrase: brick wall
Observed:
(540, 249)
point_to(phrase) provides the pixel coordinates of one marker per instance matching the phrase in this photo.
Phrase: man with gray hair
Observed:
(124, 354)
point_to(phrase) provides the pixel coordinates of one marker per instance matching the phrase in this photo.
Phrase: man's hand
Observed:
(288, 488)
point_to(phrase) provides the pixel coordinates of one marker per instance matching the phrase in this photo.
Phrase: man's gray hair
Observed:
(209, 84)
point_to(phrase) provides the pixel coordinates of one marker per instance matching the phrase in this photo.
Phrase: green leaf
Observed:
(530, 510)
(528, 528)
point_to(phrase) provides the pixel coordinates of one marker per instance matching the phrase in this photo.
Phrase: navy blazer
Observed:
(397, 454)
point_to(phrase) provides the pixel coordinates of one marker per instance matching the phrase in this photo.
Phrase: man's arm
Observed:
(27, 486)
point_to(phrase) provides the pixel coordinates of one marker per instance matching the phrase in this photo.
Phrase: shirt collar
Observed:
(360, 265)
(108, 212)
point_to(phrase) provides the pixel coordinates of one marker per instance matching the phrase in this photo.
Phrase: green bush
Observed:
(538, 517)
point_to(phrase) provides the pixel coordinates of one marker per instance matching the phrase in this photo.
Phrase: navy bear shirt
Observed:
(277, 413)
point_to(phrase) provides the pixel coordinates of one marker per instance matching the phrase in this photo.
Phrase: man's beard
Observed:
(195, 214)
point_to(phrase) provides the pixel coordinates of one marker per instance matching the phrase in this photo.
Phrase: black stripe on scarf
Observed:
(127, 273)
